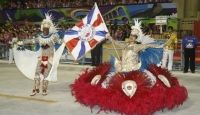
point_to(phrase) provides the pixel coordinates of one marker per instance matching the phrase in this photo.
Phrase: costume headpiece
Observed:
(48, 23)
(136, 29)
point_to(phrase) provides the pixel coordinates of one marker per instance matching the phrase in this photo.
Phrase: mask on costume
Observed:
(129, 87)
(96, 80)
(164, 80)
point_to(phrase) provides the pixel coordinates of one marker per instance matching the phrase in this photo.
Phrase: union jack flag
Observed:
(86, 34)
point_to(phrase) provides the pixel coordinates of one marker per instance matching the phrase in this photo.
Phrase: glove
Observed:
(108, 37)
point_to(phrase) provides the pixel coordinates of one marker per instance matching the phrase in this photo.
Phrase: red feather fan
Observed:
(145, 101)
(174, 95)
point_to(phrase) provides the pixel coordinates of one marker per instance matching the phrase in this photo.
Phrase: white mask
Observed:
(129, 87)
(95, 80)
(164, 80)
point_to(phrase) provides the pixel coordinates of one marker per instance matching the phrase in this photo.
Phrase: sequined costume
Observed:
(45, 60)
(130, 58)
(41, 65)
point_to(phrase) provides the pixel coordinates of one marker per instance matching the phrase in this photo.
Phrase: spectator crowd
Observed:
(12, 4)
(21, 31)
(28, 30)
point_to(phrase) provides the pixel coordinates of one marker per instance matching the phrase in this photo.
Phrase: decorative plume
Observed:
(48, 17)
(137, 24)
(48, 23)
(136, 29)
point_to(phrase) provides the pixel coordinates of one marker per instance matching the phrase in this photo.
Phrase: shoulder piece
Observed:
(46, 39)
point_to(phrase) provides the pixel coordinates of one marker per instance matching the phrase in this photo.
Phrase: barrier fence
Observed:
(4, 51)
(68, 59)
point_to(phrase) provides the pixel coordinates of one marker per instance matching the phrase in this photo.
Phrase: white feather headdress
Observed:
(136, 30)
(136, 27)
(48, 23)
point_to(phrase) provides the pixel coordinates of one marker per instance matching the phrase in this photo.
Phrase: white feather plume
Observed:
(137, 25)
(48, 20)
(48, 17)
(144, 39)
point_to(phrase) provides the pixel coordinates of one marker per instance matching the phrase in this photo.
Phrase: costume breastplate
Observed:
(47, 44)
(129, 60)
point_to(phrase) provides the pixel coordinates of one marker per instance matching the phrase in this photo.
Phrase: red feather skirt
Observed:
(146, 100)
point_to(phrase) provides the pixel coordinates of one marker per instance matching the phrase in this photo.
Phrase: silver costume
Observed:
(130, 60)
(44, 65)
(45, 60)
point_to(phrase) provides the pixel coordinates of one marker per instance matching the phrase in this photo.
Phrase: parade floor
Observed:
(15, 90)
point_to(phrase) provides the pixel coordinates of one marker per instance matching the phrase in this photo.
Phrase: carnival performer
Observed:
(43, 63)
(132, 85)
(169, 48)
(11, 43)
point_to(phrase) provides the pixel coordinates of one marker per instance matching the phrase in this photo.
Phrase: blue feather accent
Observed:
(61, 34)
(112, 62)
(37, 46)
(150, 56)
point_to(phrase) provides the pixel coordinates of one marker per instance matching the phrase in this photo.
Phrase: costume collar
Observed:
(45, 36)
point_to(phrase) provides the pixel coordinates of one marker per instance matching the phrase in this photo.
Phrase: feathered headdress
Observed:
(136, 29)
(48, 23)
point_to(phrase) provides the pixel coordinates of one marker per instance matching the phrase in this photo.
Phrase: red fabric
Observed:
(92, 42)
(176, 94)
(43, 67)
(72, 43)
(145, 101)
(98, 21)
(196, 29)
(44, 58)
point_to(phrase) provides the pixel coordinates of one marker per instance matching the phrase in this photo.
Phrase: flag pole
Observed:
(95, 4)
(115, 49)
